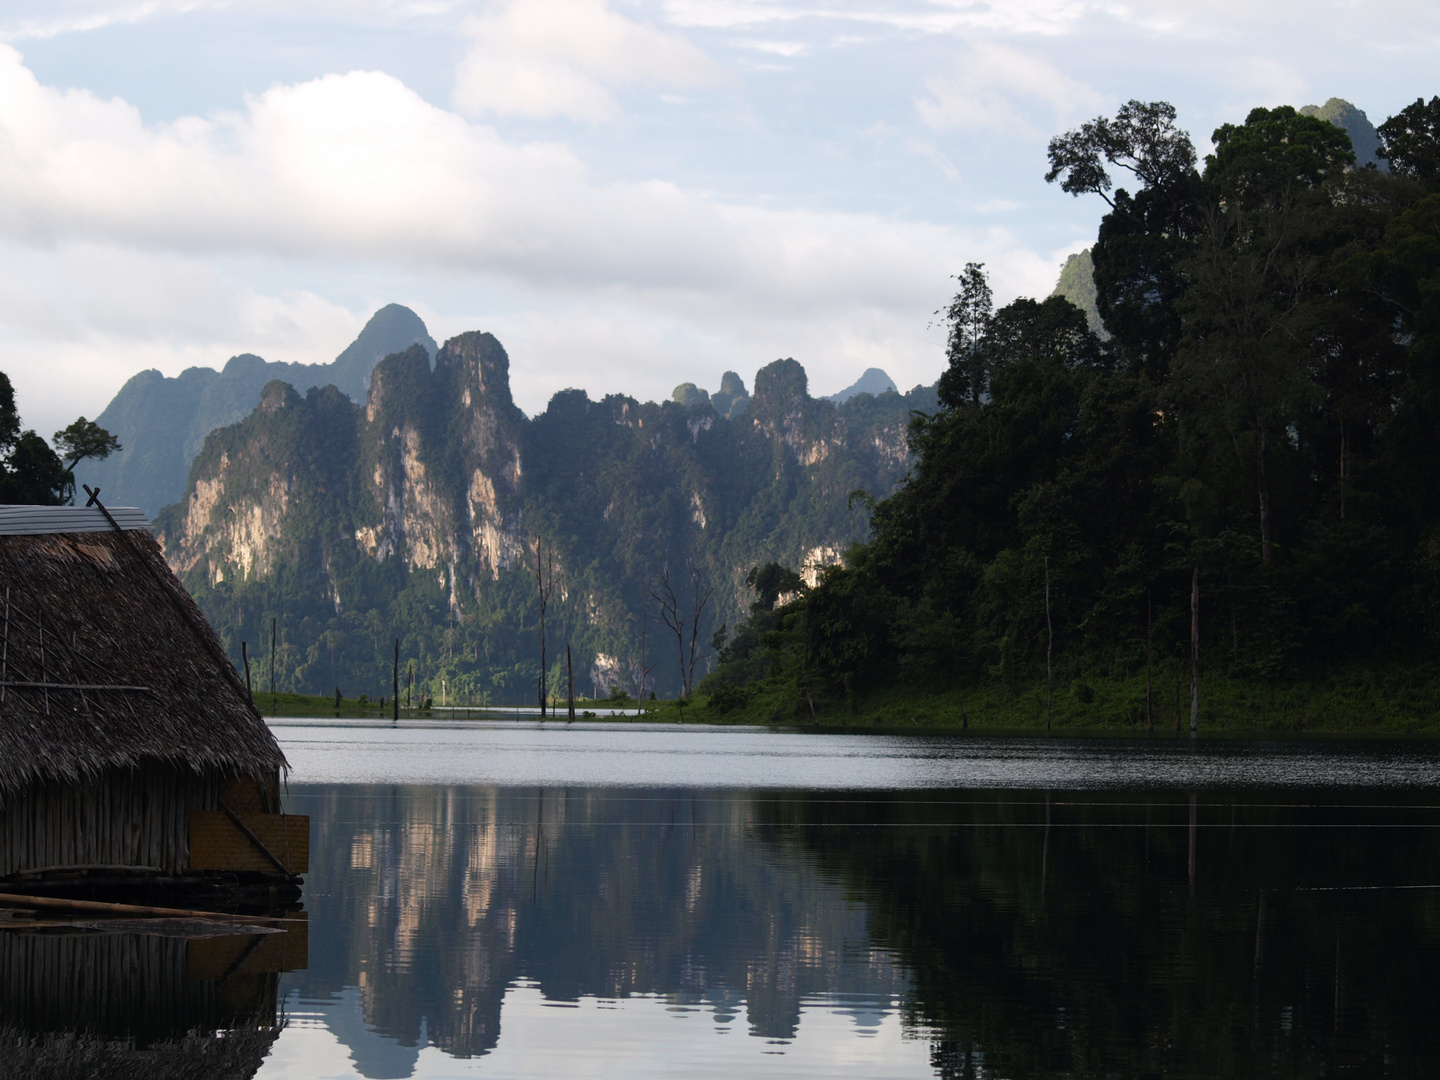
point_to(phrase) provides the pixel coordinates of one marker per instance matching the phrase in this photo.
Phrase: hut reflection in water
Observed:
(152, 1005)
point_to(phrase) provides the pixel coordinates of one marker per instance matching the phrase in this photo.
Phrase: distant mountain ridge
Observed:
(415, 516)
(162, 422)
(874, 382)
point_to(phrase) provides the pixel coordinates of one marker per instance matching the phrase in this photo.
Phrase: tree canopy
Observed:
(32, 472)
(1265, 411)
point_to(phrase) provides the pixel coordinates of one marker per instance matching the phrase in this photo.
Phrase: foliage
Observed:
(1265, 409)
(30, 471)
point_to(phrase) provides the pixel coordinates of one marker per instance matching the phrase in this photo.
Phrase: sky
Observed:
(629, 194)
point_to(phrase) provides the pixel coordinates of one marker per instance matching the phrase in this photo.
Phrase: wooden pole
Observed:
(1049, 651)
(570, 675)
(1195, 652)
(1178, 676)
(395, 675)
(98, 908)
(249, 834)
(245, 656)
(274, 698)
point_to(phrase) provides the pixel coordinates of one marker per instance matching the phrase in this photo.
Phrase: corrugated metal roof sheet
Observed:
(38, 520)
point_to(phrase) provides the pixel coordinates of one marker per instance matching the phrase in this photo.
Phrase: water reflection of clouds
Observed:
(636, 1037)
(599, 755)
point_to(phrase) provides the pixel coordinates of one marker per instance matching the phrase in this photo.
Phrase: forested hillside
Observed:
(1250, 455)
(420, 515)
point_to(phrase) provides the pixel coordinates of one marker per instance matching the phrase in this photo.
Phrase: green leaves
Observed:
(85, 439)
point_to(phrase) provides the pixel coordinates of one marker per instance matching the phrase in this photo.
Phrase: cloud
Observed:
(357, 166)
(79, 319)
(357, 170)
(542, 58)
(996, 87)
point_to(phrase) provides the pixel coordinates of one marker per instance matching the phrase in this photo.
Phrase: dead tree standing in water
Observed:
(570, 676)
(1049, 651)
(544, 571)
(1195, 652)
(674, 616)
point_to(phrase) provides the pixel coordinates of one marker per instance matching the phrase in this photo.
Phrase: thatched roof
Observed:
(106, 662)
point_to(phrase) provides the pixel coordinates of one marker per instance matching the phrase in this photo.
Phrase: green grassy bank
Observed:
(1399, 700)
(311, 705)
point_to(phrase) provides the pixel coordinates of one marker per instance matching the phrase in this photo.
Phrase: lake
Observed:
(513, 899)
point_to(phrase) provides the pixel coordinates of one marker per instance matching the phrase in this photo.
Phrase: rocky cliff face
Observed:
(414, 516)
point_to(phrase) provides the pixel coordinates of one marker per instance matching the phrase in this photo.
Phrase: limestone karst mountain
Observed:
(1364, 139)
(874, 381)
(162, 422)
(416, 514)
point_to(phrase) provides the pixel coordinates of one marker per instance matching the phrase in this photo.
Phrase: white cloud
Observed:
(356, 170)
(542, 58)
(995, 88)
(359, 167)
(82, 318)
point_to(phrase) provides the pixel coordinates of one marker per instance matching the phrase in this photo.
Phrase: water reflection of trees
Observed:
(1090, 947)
(433, 900)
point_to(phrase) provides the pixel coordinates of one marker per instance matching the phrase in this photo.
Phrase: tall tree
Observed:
(1270, 183)
(1410, 141)
(1137, 280)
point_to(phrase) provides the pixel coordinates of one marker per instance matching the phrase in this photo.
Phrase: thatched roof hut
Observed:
(120, 714)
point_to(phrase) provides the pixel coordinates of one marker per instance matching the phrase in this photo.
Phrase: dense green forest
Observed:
(1248, 452)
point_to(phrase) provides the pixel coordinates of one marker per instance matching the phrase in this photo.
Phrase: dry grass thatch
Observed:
(106, 662)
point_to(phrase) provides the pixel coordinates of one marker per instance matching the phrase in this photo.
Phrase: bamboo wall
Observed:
(126, 818)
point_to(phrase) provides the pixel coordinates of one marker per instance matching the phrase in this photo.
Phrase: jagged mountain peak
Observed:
(162, 422)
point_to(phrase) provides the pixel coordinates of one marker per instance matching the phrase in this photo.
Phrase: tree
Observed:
(1270, 183)
(543, 570)
(964, 379)
(1410, 141)
(1137, 280)
(30, 471)
(682, 623)
(85, 439)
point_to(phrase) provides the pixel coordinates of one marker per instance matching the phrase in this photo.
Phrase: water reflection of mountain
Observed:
(431, 901)
(113, 1005)
(1028, 935)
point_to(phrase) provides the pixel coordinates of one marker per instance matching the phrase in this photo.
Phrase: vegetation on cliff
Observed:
(416, 516)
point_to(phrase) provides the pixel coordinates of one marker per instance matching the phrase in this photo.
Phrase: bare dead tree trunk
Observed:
(1195, 652)
(1149, 640)
(1264, 485)
(702, 594)
(544, 571)
(670, 615)
(1049, 651)
(1342, 470)
(1178, 675)
(645, 669)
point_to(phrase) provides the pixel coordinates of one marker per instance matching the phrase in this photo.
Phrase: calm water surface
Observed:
(519, 900)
